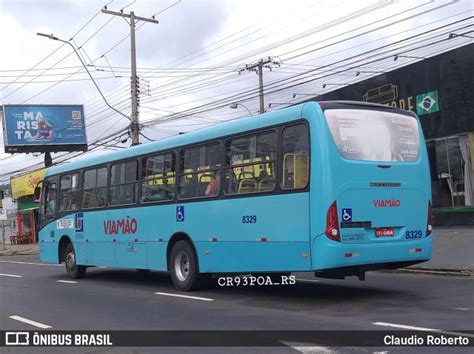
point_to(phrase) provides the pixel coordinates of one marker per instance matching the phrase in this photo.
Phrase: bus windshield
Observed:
(371, 135)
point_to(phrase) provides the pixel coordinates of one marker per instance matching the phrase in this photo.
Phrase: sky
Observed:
(192, 63)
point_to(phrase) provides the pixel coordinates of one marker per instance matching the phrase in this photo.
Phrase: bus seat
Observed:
(237, 170)
(266, 184)
(247, 185)
(246, 175)
(205, 178)
(204, 181)
(157, 179)
(171, 176)
(202, 172)
(189, 189)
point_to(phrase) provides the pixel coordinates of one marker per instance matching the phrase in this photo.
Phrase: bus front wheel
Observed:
(73, 270)
(184, 267)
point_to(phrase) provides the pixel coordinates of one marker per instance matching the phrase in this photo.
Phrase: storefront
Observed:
(440, 90)
(23, 188)
(451, 170)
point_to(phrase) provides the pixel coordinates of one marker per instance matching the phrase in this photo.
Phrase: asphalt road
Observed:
(116, 299)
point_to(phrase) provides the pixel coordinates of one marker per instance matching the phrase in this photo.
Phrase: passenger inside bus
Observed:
(213, 186)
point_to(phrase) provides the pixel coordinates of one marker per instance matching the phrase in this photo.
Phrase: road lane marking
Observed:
(185, 296)
(309, 348)
(30, 322)
(66, 281)
(10, 275)
(32, 263)
(424, 329)
(309, 280)
(462, 309)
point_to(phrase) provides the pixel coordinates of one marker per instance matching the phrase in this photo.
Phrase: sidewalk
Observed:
(453, 250)
(12, 250)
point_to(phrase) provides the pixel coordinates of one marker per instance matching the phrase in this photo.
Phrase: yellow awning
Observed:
(25, 185)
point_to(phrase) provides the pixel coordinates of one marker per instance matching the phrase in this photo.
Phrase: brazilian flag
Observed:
(427, 103)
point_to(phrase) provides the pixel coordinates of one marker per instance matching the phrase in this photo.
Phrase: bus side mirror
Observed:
(37, 194)
(2, 195)
(38, 191)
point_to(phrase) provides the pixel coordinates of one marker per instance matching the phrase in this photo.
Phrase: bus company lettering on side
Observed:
(383, 203)
(121, 226)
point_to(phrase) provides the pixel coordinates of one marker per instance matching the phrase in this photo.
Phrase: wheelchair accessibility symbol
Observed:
(180, 213)
(346, 214)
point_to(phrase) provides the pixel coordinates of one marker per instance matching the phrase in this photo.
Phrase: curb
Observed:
(433, 271)
(24, 252)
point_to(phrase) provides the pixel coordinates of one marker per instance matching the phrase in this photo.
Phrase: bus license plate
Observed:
(384, 232)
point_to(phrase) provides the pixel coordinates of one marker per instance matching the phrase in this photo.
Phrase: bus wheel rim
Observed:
(70, 261)
(182, 266)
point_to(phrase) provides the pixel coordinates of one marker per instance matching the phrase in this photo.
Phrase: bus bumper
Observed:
(328, 254)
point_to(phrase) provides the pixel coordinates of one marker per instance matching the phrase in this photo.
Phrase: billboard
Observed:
(44, 128)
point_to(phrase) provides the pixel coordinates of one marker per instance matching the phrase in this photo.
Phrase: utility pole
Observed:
(268, 63)
(134, 125)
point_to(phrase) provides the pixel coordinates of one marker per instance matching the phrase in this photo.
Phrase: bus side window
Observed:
(295, 157)
(200, 169)
(70, 195)
(158, 180)
(250, 163)
(123, 183)
(95, 188)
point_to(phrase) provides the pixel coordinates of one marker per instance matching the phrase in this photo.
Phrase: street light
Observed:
(333, 84)
(50, 36)
(395, 58)
(453, 35)
(236, 104)
(305, 94)
(278, 104)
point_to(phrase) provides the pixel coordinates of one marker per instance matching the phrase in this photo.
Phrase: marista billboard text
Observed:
(40, 128)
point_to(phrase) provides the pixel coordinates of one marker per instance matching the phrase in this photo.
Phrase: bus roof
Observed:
(277, 117)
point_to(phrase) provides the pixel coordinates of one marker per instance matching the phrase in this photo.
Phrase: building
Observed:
(8, 210)
(440, 90)
(23, 188)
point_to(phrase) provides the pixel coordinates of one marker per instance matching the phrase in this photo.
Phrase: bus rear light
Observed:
(429, 226)
(332, 223)
(415, 250)
(351, 255)
(213, 239)
(262, 239)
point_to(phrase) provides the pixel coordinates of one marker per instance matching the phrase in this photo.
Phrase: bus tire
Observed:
(73, 270)
(184, 267)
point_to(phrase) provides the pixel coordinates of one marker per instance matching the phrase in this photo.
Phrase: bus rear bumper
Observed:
(329, 254)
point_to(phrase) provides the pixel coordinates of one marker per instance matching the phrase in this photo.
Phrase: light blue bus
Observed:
(335, 188)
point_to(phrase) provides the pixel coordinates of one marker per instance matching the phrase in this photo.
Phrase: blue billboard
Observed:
(41, 128)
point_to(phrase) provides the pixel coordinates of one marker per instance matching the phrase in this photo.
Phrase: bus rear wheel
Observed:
(184, 267)
(73, 270)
